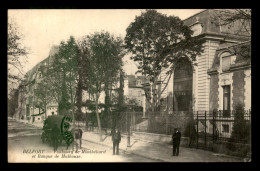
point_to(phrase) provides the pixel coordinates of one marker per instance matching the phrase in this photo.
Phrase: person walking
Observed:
(116, 138)
(176, 139)
(55, 134)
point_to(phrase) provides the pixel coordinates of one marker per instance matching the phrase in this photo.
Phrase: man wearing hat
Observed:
(176, 139)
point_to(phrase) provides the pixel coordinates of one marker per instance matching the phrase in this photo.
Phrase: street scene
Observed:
(131, 85)
(22, 136)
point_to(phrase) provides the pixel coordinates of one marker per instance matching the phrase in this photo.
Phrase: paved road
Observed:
(24, 145)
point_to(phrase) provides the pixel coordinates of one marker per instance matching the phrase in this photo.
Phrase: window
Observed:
(225, 128)
(226, 61)
(226, 101)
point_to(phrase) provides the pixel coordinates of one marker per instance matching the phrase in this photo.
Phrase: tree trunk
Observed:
(107, 103)
(98, 118)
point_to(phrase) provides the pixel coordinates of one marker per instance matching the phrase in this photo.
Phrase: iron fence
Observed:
(203, 128)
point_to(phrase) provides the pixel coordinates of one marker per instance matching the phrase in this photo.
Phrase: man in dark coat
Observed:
(176, 139)
(55, 133)
(116, 138)
(78, 137)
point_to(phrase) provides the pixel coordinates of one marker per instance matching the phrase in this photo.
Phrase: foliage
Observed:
(238, 22)
(238, 19)
(16, 54)
(158, 41)
(104, 55)
(65, 64)
(105, 59)
(241, 127)
(13, 102)
(190, 130)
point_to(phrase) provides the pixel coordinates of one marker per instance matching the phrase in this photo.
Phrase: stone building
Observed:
(199, 85)
(27, 98)
(219, 79)
(133, 88)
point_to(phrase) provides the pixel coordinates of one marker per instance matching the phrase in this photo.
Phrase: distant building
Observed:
(133, 88)
(27, 99)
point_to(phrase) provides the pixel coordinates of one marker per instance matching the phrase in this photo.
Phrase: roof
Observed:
(31, 72)
(210, 25)
(243, 56)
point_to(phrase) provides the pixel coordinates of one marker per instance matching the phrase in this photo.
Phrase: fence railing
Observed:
(202, 127)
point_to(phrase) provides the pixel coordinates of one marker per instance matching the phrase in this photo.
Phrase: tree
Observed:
(83, 65)
(237, 22)
(64, 67)
(16, 54)
(65, 64)
(241, 127)
(156, 42)
(13, 102)
(105, 61)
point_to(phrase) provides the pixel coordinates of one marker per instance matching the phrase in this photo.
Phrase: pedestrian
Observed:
(176, 139)
(116, 138)
(78, 137)
(55, 134)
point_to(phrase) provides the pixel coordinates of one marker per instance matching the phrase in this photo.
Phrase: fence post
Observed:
(197, 129)
(128, 128)
(205, 130)
(213, 133)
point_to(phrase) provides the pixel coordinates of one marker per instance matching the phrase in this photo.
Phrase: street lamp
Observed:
(128, 125)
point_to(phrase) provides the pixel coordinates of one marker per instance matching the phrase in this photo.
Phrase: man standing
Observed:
(116, 138)
(78, 137)
(176, 139)
(55, 136)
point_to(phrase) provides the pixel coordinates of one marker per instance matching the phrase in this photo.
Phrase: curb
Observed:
(126, 151)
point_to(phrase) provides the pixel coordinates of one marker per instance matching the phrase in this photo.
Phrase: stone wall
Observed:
(238, 87)
(213, 97)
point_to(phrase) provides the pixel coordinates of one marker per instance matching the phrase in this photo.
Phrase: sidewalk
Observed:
(35, 124)
(160, 152)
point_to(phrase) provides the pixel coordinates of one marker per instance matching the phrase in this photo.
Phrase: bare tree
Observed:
(17, 55)
(240, 19)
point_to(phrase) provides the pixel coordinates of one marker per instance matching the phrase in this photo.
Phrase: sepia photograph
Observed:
(129, 85)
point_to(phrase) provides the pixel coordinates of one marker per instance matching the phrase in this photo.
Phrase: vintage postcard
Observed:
(129, 85)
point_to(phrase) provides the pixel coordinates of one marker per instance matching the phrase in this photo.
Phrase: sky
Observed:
(41, 29)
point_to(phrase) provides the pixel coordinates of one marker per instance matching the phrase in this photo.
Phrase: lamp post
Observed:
(128, 115)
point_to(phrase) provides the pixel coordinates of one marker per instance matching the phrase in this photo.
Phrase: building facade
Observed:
(27, 108)
(133, 89)
(219, 78)
(201, 85)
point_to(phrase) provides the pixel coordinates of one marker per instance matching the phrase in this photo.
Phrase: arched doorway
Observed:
(182, 87)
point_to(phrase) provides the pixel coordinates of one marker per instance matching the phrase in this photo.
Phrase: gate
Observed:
(206, 129)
